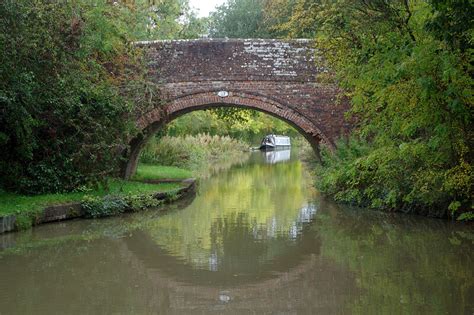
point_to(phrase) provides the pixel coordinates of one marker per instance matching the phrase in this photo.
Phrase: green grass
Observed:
(13, 203)
(150, 172)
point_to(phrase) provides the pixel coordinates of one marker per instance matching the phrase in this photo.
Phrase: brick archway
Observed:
(157, 118)
(284, 78)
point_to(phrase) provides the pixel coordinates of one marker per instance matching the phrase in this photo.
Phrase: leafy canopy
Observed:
(407, 68)
(71, 82)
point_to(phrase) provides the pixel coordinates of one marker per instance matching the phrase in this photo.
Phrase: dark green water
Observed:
(257, 239)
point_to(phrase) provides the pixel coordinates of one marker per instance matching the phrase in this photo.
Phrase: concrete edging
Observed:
(74, 210)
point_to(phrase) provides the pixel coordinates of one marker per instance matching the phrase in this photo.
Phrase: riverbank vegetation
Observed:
(110, 197)
(71, 83)
(13, 203)
(200, 140)
(192, 152)
(244, 124)
(406, 66)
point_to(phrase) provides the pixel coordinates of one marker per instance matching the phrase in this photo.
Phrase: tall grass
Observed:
(191, 152)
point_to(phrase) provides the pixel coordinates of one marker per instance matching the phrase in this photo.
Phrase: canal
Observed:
(256, 239)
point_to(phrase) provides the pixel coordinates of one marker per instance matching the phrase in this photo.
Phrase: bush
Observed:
(393, 178)
(97, 207)
(64, 67)
(141, 202)
(110, 205)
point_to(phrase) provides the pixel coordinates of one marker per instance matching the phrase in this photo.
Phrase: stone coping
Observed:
(73, 210)
(224, 40)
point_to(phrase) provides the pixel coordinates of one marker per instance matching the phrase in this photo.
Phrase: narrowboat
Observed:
(272, 142)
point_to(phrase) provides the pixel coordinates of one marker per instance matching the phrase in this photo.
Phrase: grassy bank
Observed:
(193, 153)
(11, 203)
(160, 172)
(14, 203)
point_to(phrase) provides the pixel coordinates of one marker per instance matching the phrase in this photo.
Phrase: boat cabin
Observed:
(275, 142)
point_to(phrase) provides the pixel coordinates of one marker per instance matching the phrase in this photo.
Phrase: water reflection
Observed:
(242, 219)
(276, 156)
(403, 264)
(256, 239)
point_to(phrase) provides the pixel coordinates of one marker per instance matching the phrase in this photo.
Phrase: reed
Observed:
(191, 152)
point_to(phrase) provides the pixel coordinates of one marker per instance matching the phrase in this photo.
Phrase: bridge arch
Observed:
(287, 79)
(157, 118)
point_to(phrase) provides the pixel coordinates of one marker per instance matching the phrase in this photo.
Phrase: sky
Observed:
(205, 6)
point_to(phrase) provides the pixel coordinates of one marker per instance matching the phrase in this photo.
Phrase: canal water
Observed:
(256, 239)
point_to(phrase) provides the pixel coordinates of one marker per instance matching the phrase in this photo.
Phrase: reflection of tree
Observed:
(234, 239)
(405, 264)
(263, 198)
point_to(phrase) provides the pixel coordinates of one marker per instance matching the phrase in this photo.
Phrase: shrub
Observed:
(64, 113)
(97, 207)
(141, 202)
(393, 178)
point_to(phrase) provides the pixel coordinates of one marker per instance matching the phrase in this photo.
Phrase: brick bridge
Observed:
(283, 78)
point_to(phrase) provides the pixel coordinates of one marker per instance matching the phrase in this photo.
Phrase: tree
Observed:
(239, 19)
(70, 84)
(291, 18)
(406, 65)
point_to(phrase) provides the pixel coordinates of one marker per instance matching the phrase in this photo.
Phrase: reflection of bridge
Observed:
(284, 78)
(300, 282)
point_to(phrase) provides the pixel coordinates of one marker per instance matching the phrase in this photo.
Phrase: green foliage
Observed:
(141, 202)
(172, 195)
(96, 207)
(64, 117)
(412, 99)
(191, 152)
(168, 19)
(361, 175)
(71, 83)
(452, 22)
(21, 204)
(264, 19)
(244, 124)
(25, 220)
(239, 19)
(291, 18)
(110, 205)
(466, 216)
